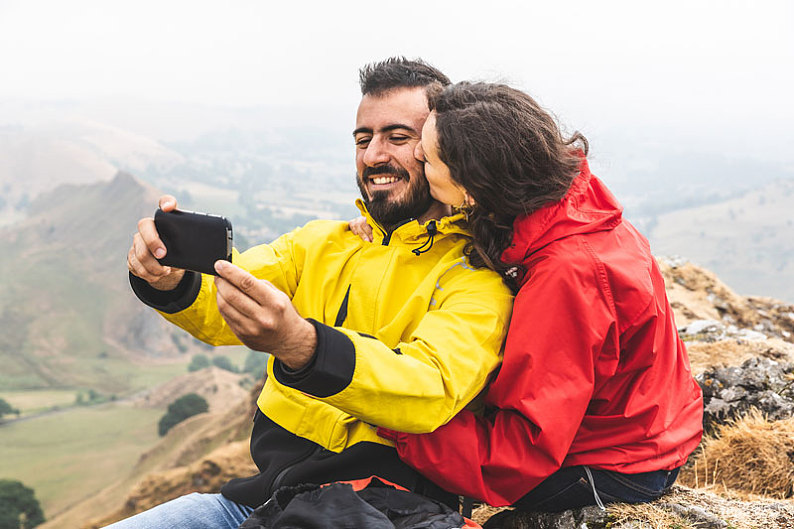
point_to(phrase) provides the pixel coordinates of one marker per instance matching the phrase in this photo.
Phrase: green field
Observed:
(74, 452)
(70, 455)
(37, 401)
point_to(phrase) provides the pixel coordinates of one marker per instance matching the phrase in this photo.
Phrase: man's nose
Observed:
(376, 153)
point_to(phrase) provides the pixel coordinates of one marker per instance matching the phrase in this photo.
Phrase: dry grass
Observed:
(733, 352)
(683, 508)
(687, 508)
(749, 455)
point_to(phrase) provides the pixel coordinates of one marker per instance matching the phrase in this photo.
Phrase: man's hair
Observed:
(377, 78)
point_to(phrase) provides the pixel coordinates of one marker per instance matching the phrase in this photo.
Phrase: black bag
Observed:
(368, 504)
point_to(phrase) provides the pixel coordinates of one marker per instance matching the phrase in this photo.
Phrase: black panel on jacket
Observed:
(168, 301)
(286, 459)
(330, 370)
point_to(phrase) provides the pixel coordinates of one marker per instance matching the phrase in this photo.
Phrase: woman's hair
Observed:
(509, 155)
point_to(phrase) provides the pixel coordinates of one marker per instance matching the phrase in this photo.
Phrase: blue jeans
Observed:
(193, 511)
(570, 488)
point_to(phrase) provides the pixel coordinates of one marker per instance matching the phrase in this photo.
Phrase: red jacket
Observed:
(594, 372)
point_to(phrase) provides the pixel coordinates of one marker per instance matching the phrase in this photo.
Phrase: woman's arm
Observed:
(561, 322)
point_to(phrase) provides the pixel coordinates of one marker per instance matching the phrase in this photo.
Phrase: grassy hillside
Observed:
(68, 317)
(92, 447)
(99, 446)
(747, 241)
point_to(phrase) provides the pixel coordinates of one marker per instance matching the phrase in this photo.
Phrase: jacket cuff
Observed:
(329, 371)
(168, 301)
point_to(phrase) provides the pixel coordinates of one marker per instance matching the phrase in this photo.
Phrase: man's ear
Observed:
(468, 200)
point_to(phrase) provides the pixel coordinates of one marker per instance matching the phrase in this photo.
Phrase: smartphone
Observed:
(194, 241)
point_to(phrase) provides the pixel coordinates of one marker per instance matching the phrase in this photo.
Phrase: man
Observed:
(400, 332)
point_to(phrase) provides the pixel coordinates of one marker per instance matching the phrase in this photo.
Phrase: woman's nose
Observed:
(419, 154)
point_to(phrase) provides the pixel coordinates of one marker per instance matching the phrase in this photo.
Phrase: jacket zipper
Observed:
(387, 234)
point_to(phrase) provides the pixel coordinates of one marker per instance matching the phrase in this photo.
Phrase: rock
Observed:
(585, 518)
(761, 383)
(713, 331)
(698, 515)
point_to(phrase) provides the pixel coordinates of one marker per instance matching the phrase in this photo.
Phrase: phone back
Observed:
(194, 241)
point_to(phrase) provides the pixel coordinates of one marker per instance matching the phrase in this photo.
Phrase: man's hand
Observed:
(263, 317)
(147, 248)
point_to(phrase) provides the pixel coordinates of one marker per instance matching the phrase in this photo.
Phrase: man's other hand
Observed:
(263, 317)
(147, 248)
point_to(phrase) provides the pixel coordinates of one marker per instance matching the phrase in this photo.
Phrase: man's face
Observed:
(391, 179)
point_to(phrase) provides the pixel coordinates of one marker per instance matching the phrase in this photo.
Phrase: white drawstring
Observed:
(595, 493)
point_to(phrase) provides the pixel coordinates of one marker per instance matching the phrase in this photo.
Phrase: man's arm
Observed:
(421, 383)
(263, 317)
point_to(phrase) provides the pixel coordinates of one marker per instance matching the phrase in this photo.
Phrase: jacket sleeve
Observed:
(431, 375)
(192, 305)
(562, 321)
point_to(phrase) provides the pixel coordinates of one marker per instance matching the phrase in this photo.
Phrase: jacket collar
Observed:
(587, 207)
(411, 230)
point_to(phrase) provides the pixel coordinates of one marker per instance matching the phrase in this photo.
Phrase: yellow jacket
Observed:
(406, 339)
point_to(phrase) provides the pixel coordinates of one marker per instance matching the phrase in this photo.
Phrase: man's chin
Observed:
(391, 213)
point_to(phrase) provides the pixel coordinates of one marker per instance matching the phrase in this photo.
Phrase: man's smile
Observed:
(381, 180)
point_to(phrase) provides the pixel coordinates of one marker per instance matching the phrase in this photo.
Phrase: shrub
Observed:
(7, 409)
(179, 410)
(198, 362)
(223, 362)
(255, 363)
(19, 508)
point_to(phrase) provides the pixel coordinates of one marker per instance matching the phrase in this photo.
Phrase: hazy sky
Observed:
(719, 70)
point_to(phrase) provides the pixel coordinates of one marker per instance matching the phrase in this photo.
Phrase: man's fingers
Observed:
(167, 203)
(142, 263)
(144, 256)
(150, 237)
(260, 291)
(230, 295)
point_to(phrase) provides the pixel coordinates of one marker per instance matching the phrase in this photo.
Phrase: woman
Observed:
(595, 401)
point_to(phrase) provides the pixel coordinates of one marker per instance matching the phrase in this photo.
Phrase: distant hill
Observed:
(67, 313)
(747, 240)
(42, 155)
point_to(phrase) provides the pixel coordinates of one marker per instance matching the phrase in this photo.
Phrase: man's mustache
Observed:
(399, 172)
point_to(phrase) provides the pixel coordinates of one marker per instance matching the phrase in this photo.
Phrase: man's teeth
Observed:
(380, 180)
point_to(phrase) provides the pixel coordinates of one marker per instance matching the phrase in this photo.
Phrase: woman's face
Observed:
(442, 187)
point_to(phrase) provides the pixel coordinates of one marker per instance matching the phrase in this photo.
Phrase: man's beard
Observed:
(390, 213)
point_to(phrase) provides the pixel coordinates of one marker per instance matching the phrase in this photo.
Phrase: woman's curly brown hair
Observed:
(510, 157)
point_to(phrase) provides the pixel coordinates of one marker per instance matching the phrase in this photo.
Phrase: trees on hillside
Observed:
(223, 362)
(198, 361)
(255, 363)
(179, 410)
(7, 409)
(201, 361)
(19, 508)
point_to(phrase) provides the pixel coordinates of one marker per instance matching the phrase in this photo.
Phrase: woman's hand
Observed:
(360, 227)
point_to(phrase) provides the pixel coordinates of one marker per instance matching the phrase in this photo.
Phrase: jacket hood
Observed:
(413, 230)
(587, 207)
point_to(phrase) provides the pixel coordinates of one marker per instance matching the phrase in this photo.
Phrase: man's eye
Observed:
(399, 139)
(362, 142)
